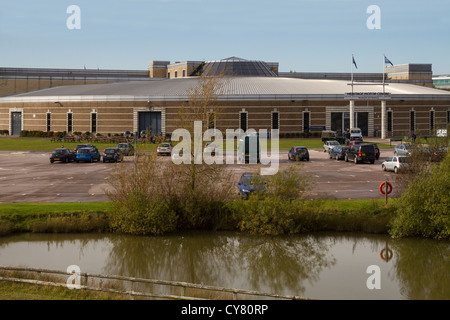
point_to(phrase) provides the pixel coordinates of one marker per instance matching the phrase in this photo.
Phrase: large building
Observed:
(255, 95)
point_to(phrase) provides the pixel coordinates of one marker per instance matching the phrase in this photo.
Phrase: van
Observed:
(356, 134)
(249, 149)
(360, 153)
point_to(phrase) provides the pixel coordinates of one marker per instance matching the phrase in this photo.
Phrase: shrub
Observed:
(424, 206)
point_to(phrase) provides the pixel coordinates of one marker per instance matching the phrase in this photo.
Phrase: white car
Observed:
(328, 145)
(356, 134)
(164, 148)
(395, 164)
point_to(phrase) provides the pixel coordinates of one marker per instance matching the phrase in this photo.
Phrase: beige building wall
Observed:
(119, 116)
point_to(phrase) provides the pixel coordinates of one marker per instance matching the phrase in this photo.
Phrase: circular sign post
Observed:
(385, 188)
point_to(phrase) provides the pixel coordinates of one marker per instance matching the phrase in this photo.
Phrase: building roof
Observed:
(239, 67)
(234, 88)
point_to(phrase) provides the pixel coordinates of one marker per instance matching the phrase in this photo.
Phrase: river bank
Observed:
(371, 216)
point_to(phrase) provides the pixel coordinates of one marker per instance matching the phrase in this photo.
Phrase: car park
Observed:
(84, 145)
(330, 144)
(298, 153)
(112, 155)
(339, 152)
(126, 148)
(250, 183)
(62, 154)
(361, 153)
(403, 149)
(396, 164)
(164, 148)
(88, 155)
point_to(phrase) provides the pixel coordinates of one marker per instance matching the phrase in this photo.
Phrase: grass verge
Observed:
(368, 215)
(25, 291)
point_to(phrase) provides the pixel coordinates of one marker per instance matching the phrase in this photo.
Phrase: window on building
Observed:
(431, 119)
(389, 121)
(184, 73)
(412, 120)
(168, 75)
(306, 121)
(93, 122)
(49, 121)
(176, 74)
(275, 120)
(69, 122)
(243, 120)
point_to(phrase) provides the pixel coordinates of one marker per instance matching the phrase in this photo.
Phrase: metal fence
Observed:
(135, 287)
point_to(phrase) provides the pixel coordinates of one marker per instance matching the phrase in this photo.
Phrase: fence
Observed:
(98, 284)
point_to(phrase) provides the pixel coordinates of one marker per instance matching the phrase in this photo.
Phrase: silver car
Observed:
(403, 149)
(328, 145)
(395, 164)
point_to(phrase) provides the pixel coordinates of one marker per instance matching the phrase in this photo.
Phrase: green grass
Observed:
(24, 291)
(37, 144)
(53, 208)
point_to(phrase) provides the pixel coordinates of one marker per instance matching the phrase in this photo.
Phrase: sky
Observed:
(302, 35)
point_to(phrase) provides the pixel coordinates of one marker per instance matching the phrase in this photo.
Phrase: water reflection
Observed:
(324, 266)
(274, 264)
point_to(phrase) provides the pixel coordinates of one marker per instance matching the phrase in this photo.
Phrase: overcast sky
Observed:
(302, 35)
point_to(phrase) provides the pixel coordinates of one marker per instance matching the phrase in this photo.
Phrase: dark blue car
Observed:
(298, 153)
(338, 152)
(112, 155)
(249, 183)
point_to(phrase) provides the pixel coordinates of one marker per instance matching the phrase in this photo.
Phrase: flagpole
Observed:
(352, 71)
(384, 61)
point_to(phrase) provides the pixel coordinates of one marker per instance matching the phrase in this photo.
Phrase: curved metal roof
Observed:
(233, 88)
(239, 67)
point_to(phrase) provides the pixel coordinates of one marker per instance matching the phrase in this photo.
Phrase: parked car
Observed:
(126, 148)
(112, 154)
(332, 135)
(330, 144)
(62, 154)
(353, 142)
(356, 134)
(396, 164)
(435, 154)
(164, 148)
(298, 153)
(88, 155)
(85, 145)
(338, 152)
(360, 153)
(249, 183)
(403, 149)
(377, 150)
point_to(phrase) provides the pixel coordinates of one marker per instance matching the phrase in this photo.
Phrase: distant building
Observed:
(442, 82)
(257, 96)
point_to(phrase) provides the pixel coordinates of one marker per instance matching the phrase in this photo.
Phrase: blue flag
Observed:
(354, 62)
(386, 60)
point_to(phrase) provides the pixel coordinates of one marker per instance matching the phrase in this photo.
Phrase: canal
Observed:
(319, 266)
